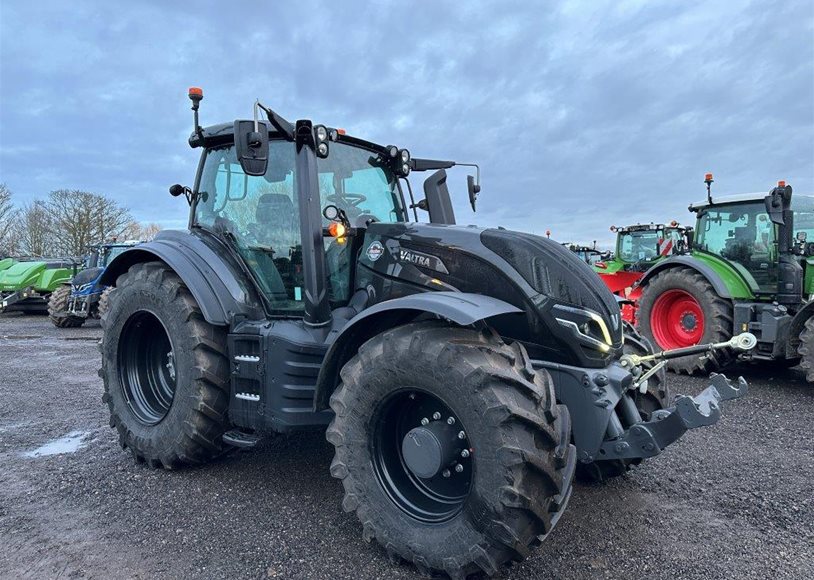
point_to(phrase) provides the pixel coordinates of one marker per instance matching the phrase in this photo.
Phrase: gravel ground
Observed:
(730, 501)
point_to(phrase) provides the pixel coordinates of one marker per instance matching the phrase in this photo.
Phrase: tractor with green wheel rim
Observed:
(750, 268)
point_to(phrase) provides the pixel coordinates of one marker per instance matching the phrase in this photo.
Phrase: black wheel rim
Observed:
(432, 499)
(147, 368)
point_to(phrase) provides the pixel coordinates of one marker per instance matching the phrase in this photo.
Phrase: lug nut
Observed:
(461, 435)
(425, 421)
(436, 416)
(451, 420)
(465, 453)
(459, 468)
(445, 473)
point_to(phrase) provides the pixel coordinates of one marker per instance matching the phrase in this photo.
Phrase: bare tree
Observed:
(8, 223)
(140, 231)
(36, 233)
(81, 219)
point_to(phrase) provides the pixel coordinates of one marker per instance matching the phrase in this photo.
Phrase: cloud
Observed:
(580, 114)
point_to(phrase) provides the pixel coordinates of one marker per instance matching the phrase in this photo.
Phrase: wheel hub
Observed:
(428, 450)
(422, 455)
(689, 321)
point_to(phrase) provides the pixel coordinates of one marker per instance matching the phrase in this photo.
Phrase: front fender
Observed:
(461, 308)
(689, 262)
(215, 283)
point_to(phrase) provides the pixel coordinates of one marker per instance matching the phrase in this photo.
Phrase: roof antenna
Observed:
(708, 180)
(196, 96)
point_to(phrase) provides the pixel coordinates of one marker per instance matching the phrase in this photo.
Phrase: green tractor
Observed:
(638, 247)
(750, 268)
(26, 285)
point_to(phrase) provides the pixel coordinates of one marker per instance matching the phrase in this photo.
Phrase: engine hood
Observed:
(87, 276)
(571, 316)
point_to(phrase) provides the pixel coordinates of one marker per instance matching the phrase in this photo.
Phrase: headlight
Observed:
(405, 156)
(588, 327)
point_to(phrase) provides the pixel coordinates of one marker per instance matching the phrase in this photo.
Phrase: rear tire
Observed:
(663, 321)
(658, 396)
(806, 349)
(165, 370)
(58, 309)
(520, 470)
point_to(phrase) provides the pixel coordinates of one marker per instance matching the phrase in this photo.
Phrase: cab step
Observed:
(238, 438)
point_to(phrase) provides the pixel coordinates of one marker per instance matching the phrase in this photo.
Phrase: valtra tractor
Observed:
(463, 375)
(638, 247)
(26, 285)
(750, 268)
(71, 304)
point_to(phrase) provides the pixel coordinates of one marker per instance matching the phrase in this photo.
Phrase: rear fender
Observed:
(461, 308)
(215, 282)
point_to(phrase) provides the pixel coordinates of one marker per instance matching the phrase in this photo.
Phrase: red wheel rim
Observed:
(677, 320)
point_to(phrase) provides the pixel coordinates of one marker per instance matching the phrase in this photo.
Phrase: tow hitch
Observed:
(607, 423)
(649, 438)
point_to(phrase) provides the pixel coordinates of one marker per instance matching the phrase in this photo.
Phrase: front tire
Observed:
(165, 370)
(58, 309)
(477, 393)
(680, 308)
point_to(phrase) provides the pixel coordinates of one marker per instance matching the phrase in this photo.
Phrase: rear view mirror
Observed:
(474, 190)
(252, 147)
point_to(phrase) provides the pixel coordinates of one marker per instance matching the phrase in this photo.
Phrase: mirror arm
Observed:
(283, 126)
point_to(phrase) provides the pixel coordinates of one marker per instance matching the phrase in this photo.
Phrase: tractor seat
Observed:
(276, 223)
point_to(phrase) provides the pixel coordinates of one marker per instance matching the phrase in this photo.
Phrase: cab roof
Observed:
(224, 133)
(743, 198)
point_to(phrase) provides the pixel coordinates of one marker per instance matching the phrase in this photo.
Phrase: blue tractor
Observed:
(85, 297)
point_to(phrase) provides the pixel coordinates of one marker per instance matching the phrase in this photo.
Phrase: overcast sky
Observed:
(581, 114)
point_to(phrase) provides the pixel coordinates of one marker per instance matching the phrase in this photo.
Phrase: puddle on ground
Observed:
(70, 443)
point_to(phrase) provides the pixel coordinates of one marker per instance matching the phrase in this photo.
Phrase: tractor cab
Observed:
(737, 233)
(589, 254)
(640, 246)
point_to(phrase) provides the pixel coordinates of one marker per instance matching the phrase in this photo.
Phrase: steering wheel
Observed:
(353, 199)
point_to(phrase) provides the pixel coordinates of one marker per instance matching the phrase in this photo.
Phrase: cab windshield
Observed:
(260, 214)
(639, 246)
(111, 253)
(648, 245)
(744, 235)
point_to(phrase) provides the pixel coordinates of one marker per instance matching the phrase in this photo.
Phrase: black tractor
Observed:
(463, 375)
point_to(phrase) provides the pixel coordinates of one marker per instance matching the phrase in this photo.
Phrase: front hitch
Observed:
(649, 438)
